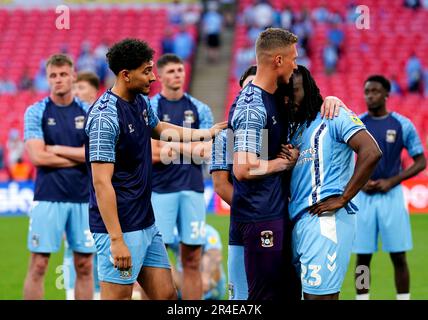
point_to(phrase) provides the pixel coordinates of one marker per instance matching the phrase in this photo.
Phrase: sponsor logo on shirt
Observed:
(166, 118)
(267, 238)
(131, 128)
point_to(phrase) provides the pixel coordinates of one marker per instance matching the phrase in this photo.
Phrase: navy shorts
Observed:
(265, 257)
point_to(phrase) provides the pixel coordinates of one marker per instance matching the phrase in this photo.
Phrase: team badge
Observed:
(391, 135)
(51, 122)
(79, 122)
(189, 116)
(166, 118)
(146, 117)
(266, 238)
(35, 240)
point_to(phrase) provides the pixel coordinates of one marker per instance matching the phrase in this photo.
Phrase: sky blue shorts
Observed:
(322, 248)
(147, 250)
(385, 214)
(184, 209)
(238, 286)
(50, 220)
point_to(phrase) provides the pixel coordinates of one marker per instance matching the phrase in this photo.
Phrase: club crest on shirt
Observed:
(189, 116)
(267, 238)
(131, 128)
(146, 117)
(391, 135)
(51, 122)
(166, 118)
(79, 122)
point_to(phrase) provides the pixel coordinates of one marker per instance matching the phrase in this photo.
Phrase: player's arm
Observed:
(39, 157)
(368, 155)
(197, 151)
(169, 132)
(193, 150)
(73, 153)
(222, 185)
(247, 166)
(211, 262)
(415, 149)
(102, 173)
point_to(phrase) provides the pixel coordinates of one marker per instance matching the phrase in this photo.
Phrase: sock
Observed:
(403, 296)
(97, 295)
(69, 294)
(363, 296)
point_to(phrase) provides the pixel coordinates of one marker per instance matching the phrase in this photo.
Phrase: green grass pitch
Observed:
(14, 262)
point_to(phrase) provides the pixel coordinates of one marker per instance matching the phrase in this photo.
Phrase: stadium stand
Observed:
(395, 32)
(23, 46)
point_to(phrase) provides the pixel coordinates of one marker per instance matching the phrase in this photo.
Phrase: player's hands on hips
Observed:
(369, 187)
(331, 204)
(331, 107)
(383, 185)
(216, 128)
(121, 254)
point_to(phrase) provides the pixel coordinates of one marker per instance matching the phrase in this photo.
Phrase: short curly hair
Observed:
(128, 54)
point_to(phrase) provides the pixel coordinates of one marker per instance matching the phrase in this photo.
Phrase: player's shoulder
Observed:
(81, 104)
(105, 104)
(200, 106)
(154, 100)
(403, 120)
(38, 107)
(250, 97)
(348, 116)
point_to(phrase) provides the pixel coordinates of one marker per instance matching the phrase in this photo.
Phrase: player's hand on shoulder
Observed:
(331, 204)
(121, 254)
(331, 107)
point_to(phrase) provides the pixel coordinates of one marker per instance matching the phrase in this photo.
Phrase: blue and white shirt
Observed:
(260, 129)
(190, 113)
(393, 133)
(326, 162)
(119, 132)
(58, 125)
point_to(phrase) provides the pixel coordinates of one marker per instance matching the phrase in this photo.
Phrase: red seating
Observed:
(395, 32)
(23, 46)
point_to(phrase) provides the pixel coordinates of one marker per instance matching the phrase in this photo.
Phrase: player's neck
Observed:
(267, 83)
(122, 92)
(62, 100)
(380, 112)
(172, 94)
